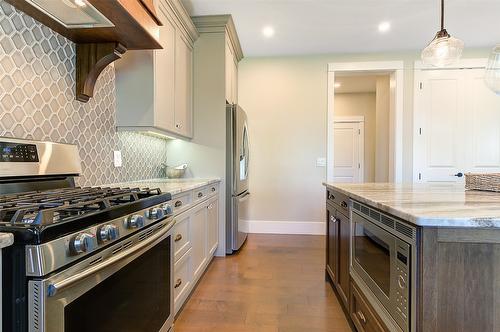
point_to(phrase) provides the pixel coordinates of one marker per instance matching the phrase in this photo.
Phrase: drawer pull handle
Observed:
(178, 204)
(333, 219)
(362, 317)
(178, 237)
(343, 204)
(178, 283)
(330, 196)
(200, 194)
(213, 189)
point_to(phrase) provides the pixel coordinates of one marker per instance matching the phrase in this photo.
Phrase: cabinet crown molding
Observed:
(183, 19)
(220, 23)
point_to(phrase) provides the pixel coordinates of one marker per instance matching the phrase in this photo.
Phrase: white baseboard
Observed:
(285, 227)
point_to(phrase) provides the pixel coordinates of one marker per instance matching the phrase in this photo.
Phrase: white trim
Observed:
(461, 64)
(285, 227)
(395, 68)
(354, 118)
(366, 66)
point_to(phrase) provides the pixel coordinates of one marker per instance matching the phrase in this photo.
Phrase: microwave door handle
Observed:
(53, 288)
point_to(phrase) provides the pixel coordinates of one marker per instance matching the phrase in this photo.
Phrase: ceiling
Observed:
(351, 26)
(356, 84)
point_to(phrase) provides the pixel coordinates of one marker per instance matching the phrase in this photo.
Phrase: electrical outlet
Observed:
(117, 158)
(321, 162)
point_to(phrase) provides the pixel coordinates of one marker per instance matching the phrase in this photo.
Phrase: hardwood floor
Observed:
(275, 284)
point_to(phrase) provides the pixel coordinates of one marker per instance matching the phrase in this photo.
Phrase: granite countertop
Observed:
(6, 239)
(172, 186)
(440, 205)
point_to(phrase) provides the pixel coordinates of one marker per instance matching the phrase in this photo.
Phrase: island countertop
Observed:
(432, 205)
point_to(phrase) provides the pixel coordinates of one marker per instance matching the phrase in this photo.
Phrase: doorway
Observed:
(349, 149)
(394, 72)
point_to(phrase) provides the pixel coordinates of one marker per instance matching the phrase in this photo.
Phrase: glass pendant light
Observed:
(492, 75)
(443, 50)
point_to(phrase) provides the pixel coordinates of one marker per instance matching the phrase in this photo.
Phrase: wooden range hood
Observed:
(120, 25)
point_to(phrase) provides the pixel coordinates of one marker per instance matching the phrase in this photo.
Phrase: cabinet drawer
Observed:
(181, 202)
(182, 235)
(213, 189)
(182, 280)
(200, 193)
(362, 314)
(339, 199)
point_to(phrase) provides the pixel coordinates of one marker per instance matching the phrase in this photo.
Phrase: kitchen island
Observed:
(443, 251)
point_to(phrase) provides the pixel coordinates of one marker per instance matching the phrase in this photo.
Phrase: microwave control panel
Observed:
(402, 281)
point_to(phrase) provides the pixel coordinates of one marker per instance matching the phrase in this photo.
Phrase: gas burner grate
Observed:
(55, 206)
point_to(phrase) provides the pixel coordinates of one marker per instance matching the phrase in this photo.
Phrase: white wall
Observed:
(286, 101)
(361, 104)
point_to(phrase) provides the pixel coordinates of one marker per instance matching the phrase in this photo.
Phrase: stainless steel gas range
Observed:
(83, 259)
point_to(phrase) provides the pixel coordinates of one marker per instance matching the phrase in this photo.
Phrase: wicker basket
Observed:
(483, 182)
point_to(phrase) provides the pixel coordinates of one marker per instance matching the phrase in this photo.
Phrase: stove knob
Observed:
(155, 213)
(107, 233)
(167, 209)
(135, 221)
(83, 242)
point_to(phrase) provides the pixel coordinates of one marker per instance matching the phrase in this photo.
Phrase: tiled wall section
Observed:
(37, 101)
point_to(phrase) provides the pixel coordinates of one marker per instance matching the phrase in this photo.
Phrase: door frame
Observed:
(361, 148)
(395, 70)
(418, 117)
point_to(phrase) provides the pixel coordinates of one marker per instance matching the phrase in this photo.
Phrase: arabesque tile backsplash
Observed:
(37, 101)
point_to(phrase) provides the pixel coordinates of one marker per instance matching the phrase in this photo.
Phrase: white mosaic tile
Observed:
(37, 101)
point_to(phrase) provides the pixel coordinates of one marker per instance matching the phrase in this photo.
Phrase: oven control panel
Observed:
(402, 280)
(18, 152)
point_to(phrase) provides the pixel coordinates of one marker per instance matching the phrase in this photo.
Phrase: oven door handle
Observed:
(53, 288)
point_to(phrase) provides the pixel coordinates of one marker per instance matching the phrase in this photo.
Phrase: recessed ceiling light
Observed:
(384, 26)
(80, 3)
(268, 31)
(337, 85)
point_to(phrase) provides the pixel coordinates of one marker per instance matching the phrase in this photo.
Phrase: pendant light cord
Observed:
(442, 14)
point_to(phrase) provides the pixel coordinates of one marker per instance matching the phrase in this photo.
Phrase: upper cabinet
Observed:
(232, 49)
(102, 31)
(154, 89)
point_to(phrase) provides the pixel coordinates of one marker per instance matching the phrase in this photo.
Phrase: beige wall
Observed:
(286, 101)
(361, 104)
(382, 132)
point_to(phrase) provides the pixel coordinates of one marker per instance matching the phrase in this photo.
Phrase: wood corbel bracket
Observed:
(91, 59)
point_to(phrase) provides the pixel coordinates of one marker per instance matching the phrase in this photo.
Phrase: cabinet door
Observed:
(343, 267)
(229, 68)
(332, 244)
(183, 86)
(164, 67)
(199, 239)
(213, 227)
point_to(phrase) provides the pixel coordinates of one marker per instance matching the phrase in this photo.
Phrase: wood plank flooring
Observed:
(275, 284)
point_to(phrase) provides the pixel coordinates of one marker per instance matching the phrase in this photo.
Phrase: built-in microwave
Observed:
(383, 258)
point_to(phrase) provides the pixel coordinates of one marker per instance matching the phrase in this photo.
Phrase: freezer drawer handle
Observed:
(178, 283)
(53, 288)
(178, 204)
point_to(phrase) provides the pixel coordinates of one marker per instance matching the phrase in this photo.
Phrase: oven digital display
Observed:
(14, 152)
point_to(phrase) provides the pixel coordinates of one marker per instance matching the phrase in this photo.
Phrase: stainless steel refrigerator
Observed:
(237, 178)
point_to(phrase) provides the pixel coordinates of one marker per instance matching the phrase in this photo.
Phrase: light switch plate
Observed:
(321, 162)
(117, 158)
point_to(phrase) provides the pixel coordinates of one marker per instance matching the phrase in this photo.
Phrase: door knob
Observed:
(459, 174)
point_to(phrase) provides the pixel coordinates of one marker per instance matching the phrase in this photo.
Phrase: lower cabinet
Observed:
(195, 241)
(363, 316)
(332, 244)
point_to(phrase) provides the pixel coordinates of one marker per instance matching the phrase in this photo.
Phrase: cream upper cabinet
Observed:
(154, 89)
(231, 67)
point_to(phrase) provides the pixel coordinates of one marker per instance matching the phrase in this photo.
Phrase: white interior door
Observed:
(458, 125)
(348, 147)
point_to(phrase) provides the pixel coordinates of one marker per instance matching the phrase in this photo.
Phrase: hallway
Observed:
(275, 284)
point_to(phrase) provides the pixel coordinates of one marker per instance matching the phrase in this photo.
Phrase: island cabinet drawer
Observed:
(339, 199)
(182, 235)
(182, 201)
(182, 279)
(362, 314)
